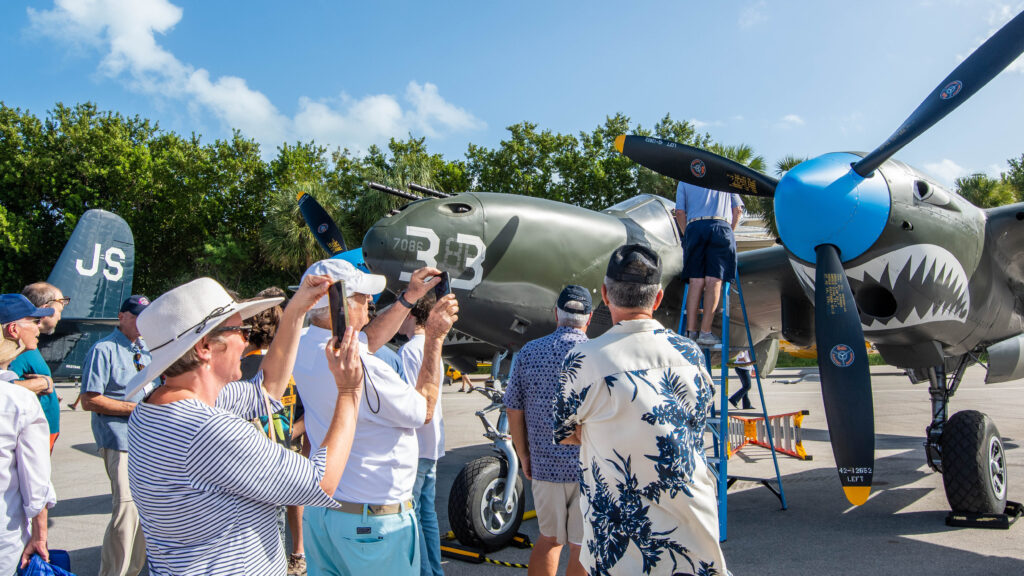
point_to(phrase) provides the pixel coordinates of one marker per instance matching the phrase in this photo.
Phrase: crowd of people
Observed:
(225, 423)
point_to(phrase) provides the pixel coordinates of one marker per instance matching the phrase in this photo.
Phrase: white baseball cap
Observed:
(356, 281)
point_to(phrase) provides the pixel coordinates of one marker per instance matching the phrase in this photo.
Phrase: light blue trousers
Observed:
(341, 544)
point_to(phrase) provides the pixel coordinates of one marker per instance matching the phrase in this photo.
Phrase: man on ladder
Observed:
(706, 220)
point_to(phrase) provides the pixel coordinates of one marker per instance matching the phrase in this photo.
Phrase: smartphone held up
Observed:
(338, 304)
(444, 287)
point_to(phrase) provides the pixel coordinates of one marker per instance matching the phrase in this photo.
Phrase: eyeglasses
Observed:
(242, 330)
(137, 359)
(62, 301)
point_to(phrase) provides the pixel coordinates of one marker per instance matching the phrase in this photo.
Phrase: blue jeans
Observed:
(342, 544)
(744, 376)
(430, 536)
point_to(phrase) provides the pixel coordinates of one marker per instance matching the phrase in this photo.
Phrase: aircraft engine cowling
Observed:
(1006, 360)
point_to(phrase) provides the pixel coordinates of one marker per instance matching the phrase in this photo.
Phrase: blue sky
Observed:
(800, 78)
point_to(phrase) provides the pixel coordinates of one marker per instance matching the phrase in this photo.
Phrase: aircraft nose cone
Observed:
(823, 201)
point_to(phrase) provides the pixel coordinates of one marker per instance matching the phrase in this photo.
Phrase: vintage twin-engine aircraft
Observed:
(871, 249)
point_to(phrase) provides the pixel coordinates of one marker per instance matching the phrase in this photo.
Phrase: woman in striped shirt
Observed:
(205, 480)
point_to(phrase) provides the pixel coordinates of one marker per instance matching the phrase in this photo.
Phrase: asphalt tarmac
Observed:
(900, 530)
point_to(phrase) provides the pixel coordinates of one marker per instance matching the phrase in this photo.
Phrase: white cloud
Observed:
(793, 120)
(789, 121)
(429, 110)
(125, 31)
(946, 171)
(753, 14)
(702, 124)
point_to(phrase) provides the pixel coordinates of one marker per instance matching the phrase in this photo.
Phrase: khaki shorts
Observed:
(558, 511)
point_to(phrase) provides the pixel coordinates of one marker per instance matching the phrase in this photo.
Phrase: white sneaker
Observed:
(708, 340)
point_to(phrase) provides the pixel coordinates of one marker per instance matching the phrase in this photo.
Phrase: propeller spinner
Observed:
(830, 210)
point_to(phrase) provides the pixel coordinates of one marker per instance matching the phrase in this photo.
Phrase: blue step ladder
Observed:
(718, 421)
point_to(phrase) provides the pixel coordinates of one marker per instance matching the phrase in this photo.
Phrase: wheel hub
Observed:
(495, 519)
(997, 467)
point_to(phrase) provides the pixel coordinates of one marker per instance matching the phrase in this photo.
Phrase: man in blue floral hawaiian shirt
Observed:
(636, 399)
(532, 386)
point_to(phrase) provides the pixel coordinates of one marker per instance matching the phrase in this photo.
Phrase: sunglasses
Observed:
(35, 321)
(242, 330)
(137, 359)
(63, 301)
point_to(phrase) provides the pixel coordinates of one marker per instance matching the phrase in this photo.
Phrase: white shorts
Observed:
(558, 511)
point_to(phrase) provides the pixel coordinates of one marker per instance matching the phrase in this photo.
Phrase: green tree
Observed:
(523, 164)
(286, 239)
(405, 162)
(985, 192)
(51, 171)
(764, 208)
(1015, 177)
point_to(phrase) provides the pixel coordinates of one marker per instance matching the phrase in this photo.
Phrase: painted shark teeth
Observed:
(928, 282)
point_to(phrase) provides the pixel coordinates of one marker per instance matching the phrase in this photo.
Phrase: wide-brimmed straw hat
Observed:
(173, 323)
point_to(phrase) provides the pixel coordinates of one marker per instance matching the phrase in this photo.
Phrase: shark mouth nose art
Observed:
(913, 285)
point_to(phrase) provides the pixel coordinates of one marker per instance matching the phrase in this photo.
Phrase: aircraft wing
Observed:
(770, 289)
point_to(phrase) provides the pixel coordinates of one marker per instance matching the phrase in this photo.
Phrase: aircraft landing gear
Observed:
(486, 503)
(966, 449)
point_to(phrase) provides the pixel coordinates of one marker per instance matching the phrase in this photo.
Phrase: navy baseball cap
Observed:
(635, 263)
(15, 307)
(575, 300)
(135, 304)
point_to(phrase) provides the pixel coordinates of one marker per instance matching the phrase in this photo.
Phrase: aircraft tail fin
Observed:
(95, 270)
(96, 267)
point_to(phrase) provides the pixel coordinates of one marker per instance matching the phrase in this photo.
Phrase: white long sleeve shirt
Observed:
(24, 470)
(430, 436)
(381, 466)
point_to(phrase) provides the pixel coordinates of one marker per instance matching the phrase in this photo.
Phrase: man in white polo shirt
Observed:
(375, 531)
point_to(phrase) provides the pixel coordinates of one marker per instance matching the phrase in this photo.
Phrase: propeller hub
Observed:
(823, 201)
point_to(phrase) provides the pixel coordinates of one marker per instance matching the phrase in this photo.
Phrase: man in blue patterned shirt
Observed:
(532, 386)
(636, 399)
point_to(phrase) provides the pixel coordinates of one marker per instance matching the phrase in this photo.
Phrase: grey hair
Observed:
(631, 294)
(40, 293)
(319, 316)
(571, 319)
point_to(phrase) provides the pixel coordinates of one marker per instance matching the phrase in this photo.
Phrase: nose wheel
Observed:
(475, 509)
(974, 464)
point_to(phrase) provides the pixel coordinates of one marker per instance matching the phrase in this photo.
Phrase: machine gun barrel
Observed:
(428, 191)
(393, 191)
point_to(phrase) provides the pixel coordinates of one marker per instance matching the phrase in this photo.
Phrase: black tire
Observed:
(476, 520)
(973, 464)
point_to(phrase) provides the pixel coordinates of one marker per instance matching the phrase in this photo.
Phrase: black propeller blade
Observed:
(845, 379)
(983, 65)
(320, 223)
(695, 166)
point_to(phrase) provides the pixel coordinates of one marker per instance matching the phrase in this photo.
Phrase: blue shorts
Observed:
(709, 250)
